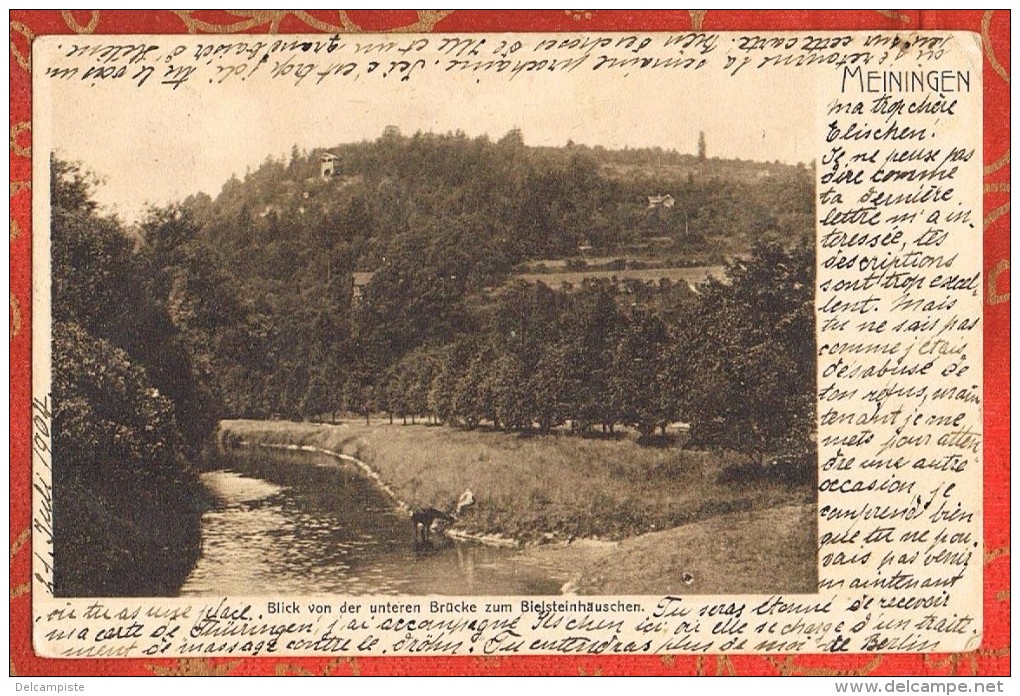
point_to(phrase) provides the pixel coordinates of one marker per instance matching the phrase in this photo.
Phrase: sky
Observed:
(155, 145)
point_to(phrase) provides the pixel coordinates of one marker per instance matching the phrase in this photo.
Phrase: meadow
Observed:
(539, 488)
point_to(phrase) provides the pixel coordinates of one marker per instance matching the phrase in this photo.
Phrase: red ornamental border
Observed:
(992, 658)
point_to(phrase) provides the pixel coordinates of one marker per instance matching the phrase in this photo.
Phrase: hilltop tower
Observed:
(328, 164)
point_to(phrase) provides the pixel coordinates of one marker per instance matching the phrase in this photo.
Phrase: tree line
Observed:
(732, 358)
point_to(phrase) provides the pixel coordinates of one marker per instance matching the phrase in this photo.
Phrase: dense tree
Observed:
(552, 386)
(752, 377)
(591, 330)
(637, 362)
(126, 503)
(126, 500)
(514, 405)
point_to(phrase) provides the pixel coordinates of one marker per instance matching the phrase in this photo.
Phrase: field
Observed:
(541, 265)
(692, 275)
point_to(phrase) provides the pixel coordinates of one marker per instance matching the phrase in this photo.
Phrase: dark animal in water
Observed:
(424, 519)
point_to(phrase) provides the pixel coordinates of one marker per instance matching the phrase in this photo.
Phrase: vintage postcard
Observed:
(643, 343)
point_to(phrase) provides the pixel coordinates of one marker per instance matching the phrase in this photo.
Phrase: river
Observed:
(291, 523)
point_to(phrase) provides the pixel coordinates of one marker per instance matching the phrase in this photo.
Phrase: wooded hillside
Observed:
(436, 228)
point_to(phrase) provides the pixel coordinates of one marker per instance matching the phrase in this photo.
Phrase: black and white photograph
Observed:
(448, 333)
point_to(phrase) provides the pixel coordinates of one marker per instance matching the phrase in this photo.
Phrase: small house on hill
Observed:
(361, 280)
(328, 165)
(666, 201)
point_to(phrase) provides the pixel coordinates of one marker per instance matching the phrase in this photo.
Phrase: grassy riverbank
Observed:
(539, 488)
(766, 551)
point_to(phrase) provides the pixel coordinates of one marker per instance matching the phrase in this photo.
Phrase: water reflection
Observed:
(297, 523)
